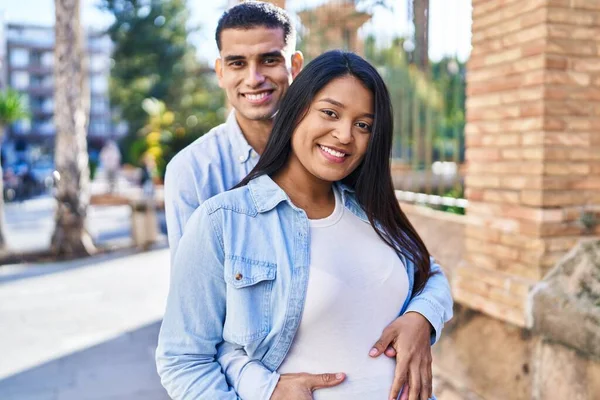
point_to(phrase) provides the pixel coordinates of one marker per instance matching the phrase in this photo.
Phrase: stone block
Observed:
(565, 306)
(488, 357)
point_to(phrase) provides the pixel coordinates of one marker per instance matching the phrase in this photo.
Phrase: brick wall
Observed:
(533, 145)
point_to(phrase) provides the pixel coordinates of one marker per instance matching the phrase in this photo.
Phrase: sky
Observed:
(450, 22)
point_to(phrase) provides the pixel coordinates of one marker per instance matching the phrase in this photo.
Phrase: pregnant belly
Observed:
(371, 379)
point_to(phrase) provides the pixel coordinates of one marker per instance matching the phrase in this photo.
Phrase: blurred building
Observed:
(333, 24)
(28, 67)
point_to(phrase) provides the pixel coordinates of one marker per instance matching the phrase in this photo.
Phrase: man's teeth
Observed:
(332, 152)
(256, 97)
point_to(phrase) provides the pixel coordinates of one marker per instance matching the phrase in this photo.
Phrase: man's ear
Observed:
(297, 63)
(219, 70)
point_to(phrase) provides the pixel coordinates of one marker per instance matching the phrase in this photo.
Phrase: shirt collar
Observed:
(241, 149)
(266, 194)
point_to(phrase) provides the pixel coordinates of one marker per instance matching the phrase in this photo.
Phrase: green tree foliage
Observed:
(153, 59)
(12, 108)
(440, 91)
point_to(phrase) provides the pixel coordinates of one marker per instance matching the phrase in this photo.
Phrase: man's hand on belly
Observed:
(301, 386)
(408, 339)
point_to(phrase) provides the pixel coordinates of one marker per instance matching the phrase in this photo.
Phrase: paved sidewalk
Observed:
(84, 329)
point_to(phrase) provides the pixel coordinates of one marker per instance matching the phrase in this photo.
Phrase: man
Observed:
(256, 66)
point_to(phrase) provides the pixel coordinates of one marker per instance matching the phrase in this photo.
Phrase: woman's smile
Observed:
(332, 154)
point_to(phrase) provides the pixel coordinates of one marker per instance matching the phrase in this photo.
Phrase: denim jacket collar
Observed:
(266, 195)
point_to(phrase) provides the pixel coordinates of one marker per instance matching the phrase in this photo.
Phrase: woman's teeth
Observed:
(332, 152)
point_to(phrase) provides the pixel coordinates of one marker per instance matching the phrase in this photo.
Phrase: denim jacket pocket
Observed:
(249, 289)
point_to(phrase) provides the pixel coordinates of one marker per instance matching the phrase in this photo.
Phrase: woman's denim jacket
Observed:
(237, 292)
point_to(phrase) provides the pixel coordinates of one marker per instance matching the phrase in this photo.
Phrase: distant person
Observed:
(147, 175)
(110, 160)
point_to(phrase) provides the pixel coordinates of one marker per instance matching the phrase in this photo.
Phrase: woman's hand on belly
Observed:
(408, 339)
(301, 386)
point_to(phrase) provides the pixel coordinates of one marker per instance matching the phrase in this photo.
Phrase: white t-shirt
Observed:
(356, 287)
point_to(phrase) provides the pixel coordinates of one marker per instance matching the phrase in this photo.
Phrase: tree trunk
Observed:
(2, 241)
(421, 21)
(71, 99)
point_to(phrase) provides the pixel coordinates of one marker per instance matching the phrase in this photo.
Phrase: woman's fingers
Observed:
(415, 384)
(385, 340)
(426, 380)
(399, 380)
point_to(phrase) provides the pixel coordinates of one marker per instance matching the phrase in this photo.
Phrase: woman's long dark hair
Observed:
(372, 180)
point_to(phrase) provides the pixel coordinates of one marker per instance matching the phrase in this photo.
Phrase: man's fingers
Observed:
(415, 384)
(320, 381)
(399, 379)
(387, 336)
(390, 352)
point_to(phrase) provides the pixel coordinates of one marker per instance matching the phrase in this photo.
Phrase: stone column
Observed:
(533, 147)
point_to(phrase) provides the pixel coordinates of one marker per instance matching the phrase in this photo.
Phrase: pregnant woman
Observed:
(304, 263)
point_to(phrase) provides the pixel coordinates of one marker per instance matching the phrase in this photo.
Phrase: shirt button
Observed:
(242, 158)
(238, 276)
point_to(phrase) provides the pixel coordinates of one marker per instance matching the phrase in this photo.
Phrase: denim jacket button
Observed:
(238, 277)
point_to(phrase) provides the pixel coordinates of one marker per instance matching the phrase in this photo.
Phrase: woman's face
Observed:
(331, 140)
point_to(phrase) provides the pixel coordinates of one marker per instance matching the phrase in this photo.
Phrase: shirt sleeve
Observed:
(250, 378)
(183, 195)
(185, 191)
(434, 302)
(192, 328)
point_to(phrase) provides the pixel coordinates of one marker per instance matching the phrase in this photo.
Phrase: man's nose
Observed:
(255, 77)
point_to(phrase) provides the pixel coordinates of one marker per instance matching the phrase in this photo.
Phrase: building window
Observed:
(20, 80)
(36, 81)
(47, 59)
(44, 126)
(48, 81)
(22, 127)
(19, 57)
(48, 105)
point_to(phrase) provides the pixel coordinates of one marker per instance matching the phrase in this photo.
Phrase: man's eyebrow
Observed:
(234, 58)
(271, 54)
(340, 105)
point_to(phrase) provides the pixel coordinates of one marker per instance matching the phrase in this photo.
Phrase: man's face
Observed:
(255, 70)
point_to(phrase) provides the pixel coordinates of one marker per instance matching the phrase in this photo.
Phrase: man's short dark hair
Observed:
(253, 14)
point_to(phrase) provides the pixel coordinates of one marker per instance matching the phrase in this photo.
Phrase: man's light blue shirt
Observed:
(213, 164)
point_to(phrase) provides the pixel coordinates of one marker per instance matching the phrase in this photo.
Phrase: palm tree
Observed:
(71, 99)
(12, 108)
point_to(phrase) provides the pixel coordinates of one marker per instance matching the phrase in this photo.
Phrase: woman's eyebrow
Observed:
(340, 105)
(334, 102)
